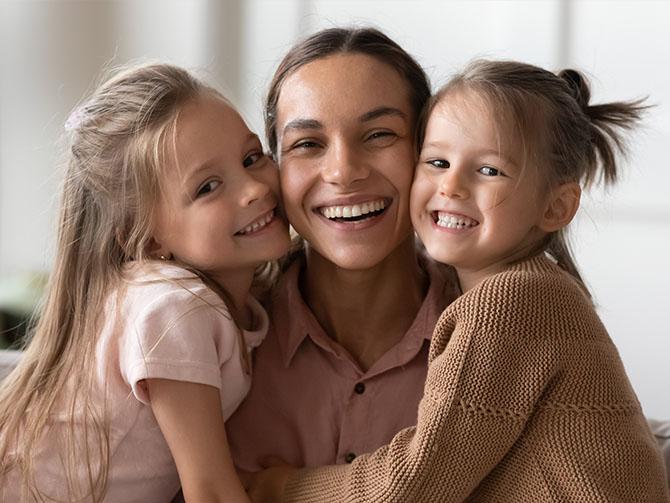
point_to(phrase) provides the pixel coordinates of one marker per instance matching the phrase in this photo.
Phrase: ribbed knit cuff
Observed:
(317, 485)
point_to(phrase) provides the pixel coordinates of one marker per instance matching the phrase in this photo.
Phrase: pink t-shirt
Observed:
(166, 324)
(311, 404)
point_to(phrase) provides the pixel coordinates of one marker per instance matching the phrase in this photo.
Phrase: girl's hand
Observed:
(267, 486)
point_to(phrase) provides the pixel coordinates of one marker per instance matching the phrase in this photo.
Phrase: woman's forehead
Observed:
(349, 83)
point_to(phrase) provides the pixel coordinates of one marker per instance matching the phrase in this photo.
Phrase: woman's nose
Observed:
(344, 164)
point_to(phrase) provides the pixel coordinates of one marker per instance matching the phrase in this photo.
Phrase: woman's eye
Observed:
(381, 136)
(305, 145)
(439, 163)
(489, 171)
(251, 159)
(207, 188)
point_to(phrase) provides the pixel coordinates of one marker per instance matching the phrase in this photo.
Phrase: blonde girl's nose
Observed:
(252, 190)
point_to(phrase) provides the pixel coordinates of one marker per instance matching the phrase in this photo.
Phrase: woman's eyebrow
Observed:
(303, 124)
(381, 112)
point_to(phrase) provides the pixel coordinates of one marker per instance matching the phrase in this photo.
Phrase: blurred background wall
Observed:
(52, 52)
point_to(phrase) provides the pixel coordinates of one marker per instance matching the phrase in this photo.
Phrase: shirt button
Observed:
(359, 388)
(349, 457)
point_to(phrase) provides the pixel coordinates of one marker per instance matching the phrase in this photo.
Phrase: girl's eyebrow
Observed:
(437, 144)
(193, 170)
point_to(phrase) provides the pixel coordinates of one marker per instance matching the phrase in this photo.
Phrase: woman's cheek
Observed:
(294, 189)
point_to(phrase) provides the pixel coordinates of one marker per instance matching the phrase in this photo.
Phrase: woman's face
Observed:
(346, 156)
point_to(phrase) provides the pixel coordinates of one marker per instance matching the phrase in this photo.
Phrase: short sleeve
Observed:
(181, 334)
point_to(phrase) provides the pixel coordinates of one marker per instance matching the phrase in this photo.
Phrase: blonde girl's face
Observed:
(219, 211)
(472, 203)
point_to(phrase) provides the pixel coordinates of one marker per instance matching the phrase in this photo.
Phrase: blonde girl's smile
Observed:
(267, 218)
(220, 206)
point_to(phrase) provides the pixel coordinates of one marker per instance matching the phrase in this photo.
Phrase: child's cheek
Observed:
(419, 197)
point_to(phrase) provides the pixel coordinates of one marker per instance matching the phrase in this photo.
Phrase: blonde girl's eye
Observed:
(490, 171)
(439, 163)
(252, 158)
(207, 187)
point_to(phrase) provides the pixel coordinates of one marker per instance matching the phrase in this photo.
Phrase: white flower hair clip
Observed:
(75, 119)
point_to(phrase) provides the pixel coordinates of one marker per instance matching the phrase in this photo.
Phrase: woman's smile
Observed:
(347, 158)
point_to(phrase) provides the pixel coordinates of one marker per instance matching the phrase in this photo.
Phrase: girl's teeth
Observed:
(454, 222)
(253, 227)
(353, 210)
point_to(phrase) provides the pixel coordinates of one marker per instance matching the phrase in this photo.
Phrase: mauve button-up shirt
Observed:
(310, 404)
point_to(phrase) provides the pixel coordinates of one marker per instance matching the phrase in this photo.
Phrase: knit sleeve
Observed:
(492, 356)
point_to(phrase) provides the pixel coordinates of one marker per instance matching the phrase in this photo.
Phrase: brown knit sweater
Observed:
(526, 400)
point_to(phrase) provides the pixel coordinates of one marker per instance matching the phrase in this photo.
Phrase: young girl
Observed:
(169, 207)
(526, 398)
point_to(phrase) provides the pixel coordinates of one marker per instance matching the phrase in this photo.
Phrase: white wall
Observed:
(52, 51)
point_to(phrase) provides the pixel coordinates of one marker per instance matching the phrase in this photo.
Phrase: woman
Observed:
(343, 366)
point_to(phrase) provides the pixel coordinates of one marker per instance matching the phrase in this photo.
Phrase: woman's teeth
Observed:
(258, 224)
(354, 211)
(454, 221)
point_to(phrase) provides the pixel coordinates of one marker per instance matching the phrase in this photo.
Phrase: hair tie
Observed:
(577, 86)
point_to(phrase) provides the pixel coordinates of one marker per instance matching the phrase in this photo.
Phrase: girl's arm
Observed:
(191, 420)
(484, 380)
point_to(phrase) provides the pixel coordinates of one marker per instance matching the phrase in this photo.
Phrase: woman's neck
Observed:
(366, 311)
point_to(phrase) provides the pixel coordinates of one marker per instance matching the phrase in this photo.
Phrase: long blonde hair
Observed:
(116, 147)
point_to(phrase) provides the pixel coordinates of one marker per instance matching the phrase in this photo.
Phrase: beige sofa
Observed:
(661, 429)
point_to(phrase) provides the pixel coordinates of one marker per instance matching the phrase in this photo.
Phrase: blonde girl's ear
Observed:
(157, 251)
(561, 206)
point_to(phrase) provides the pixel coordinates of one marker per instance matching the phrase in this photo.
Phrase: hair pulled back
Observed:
(367, 41)
(561, 132)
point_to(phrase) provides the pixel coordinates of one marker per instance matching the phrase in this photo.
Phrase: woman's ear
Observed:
(561, 206)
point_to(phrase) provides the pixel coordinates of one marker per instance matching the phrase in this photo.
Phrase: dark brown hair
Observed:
(559, 130)
(368, 41)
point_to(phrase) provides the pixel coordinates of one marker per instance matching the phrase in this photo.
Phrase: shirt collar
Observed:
(293, 320)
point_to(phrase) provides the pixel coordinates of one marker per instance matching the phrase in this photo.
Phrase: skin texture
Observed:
(345, 137)
(197, 439)
(472, 172)
(217, 185)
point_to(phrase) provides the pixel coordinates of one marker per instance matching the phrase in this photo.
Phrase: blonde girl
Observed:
(526, 398)
(169, 207)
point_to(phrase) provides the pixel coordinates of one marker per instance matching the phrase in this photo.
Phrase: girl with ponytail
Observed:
(526, 398)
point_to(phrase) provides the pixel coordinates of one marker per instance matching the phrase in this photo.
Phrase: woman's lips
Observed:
(354, 212)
